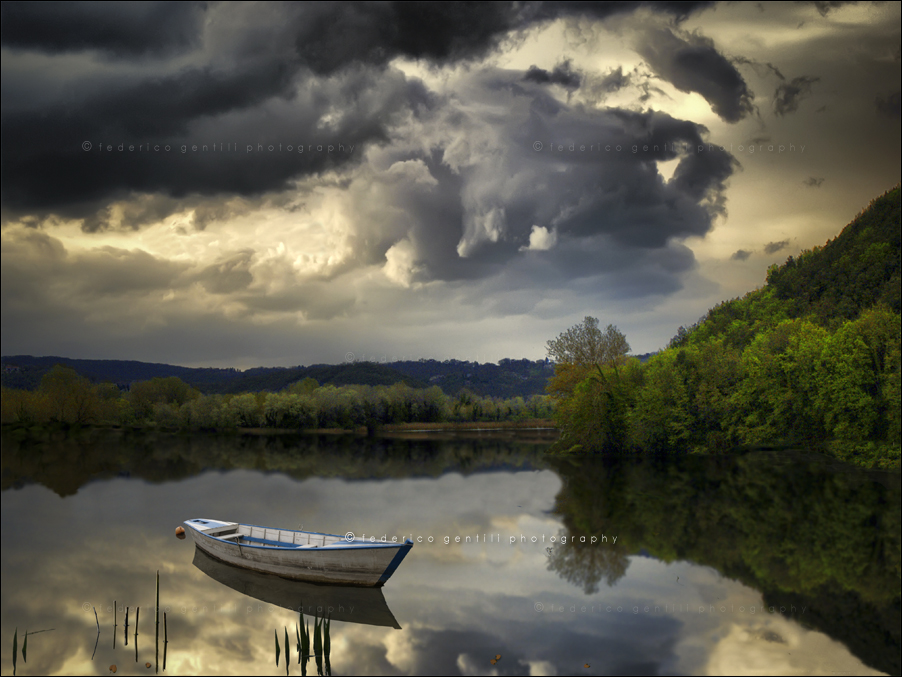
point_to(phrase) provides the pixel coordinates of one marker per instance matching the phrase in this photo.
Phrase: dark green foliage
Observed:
(854, 271)
(812, 357)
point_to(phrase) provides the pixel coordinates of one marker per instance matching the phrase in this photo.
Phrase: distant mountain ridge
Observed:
(509, 378)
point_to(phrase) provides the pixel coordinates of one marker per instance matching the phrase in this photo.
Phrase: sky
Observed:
(243, 185)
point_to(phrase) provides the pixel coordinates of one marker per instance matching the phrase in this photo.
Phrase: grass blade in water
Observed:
(317, 636)
(318, 645)
(297, 631)
(278, 650)
(305, 640)
(25, 648)
(15, 648)
(287, 651)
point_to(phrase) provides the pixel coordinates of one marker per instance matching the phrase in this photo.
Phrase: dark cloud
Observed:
(255, 87)
(890, 104)
(774, 247)
(124, 30)
(824, 7)
(328, 36)
(561, 75)
(691, 63)
(46, 169)
(602, 10)
(788, 95)
(814, 181)
(740, 255)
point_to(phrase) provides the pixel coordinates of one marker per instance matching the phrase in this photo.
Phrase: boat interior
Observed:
(245, 534)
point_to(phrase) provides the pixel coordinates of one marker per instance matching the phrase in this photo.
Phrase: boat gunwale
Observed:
(346, 545)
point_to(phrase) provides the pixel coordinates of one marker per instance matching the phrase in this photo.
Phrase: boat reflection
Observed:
(347, 604)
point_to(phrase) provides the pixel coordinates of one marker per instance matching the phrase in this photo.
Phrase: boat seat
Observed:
(229, 537)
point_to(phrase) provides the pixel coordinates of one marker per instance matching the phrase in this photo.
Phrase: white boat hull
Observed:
(299, 555)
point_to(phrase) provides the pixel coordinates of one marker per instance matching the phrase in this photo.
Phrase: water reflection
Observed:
(731, 536)
(820, 540)
(65, 461)
(340, 603)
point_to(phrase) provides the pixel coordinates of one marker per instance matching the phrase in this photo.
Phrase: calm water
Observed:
(761, 563)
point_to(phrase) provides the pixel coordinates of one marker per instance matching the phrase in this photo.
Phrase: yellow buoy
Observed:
(180, 532)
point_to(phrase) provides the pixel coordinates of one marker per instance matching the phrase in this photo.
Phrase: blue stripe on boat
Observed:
(290, 546)
(396, 561)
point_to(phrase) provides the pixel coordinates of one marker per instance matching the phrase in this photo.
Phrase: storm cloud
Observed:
(692, 63)
(121, 30)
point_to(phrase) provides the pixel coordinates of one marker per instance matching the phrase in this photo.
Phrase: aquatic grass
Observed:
(318, 644)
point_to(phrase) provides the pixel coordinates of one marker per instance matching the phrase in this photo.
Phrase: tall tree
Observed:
(580, 351)
(586, 345)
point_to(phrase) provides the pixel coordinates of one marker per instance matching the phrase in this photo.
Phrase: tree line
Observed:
(67, 398)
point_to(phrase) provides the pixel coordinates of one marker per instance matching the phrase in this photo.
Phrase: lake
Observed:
(761, 562)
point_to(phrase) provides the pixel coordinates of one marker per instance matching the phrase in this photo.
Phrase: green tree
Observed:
(70, 397)
(586, 345)
(579, 350)
(170, 390)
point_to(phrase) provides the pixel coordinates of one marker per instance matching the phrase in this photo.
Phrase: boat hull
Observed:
(335, 563)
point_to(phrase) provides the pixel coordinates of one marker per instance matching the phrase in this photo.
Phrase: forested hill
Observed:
(812, 357)
(857, 269)
(508, 378)
(828, 285)
(25, 372)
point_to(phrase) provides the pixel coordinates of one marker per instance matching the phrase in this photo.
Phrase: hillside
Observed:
(510, 378)
(24, 372)
(856, 270)
(810, 358)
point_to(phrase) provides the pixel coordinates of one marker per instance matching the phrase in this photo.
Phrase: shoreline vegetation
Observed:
(66, 399)
(811, 360)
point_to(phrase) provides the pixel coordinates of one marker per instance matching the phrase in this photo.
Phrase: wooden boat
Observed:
(300, 555)
(349, 604)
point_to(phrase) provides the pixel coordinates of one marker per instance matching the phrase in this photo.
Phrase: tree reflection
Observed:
(585, 564)
(804, 530)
